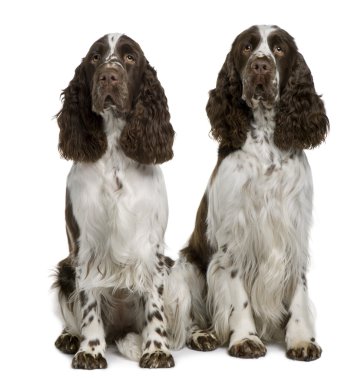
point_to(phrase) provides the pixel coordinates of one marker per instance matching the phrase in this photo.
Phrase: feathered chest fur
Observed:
(259, 213)
(121, 209)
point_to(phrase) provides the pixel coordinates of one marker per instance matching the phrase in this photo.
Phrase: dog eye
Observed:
(247, 48)
(95, 57)
(278, 50)
(129, 58)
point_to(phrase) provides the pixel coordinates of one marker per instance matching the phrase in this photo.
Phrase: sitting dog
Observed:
(114, 125)
(248, 254)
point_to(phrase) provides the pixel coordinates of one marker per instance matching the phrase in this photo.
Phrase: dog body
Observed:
(259, 232)
(115, 126)
(250, 243)
(259, 236)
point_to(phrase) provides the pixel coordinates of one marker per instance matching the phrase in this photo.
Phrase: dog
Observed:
(241, 278)
(115, 126)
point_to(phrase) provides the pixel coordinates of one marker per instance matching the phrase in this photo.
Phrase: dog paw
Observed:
(304, 351)
(67, 343)
(248, 349)
(202, 340)
(85, 360)
(157, 359)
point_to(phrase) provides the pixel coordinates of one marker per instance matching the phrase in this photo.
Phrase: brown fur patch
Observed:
(198, 251)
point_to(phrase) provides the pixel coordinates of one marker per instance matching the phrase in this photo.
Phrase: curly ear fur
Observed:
(228, 113)
(301, 121)
(81, 136)
(148, 135)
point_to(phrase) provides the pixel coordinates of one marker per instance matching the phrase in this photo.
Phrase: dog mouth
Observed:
(116, 103)
(108, 102)
(259, 92)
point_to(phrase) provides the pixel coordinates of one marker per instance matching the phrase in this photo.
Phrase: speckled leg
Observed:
(300, 334)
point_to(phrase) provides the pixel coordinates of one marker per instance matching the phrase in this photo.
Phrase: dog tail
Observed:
(131, 346)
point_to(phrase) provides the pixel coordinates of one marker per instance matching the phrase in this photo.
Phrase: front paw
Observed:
(157, 359)
(202, 340)
(248, 349)
(304, 351)
(85, 360)
(67, 343)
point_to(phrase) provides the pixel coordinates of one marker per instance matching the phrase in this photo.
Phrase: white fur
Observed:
(131, 346)
(112, 42)
(121, 209)
(184, 291)
(263, 48)
(263, 220)
(120, 227)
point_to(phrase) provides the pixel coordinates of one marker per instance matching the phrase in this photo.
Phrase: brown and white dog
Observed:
(114, 125)
(244, 267)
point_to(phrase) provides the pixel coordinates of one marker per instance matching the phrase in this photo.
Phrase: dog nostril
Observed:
(260, 67)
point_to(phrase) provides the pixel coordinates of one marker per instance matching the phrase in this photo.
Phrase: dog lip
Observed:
(259, 92)
(108, 102)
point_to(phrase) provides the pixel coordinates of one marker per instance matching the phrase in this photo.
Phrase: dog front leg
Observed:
(300, 334)
(156, 352)
(92, 346)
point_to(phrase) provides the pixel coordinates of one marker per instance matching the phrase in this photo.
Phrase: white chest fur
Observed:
(259, 212)
(121, 209)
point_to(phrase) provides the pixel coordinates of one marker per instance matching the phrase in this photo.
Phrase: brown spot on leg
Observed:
(168, 262)
(94, 342)
(270, 170)
(234, 273)
(232, 310)
(160, 290)
(118, 183)
(155, 314)
(83, 298)
(92, 306)
(161, 332)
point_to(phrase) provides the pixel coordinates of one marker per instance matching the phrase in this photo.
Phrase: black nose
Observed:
(108, 77)
(261, 66)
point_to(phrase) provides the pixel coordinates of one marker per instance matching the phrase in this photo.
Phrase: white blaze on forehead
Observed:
(263, 48)
(112, 40)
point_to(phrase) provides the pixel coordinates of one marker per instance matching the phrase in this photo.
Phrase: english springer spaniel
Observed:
(248, 254)
(114, 125)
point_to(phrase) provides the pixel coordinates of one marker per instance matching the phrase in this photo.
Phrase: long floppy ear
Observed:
(81, 136)
(227, 111)
(148, 135)
(301, 121)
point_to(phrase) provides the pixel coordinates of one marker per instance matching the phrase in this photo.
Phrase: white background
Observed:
(41, 45)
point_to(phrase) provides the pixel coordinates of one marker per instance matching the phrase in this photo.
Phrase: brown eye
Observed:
(95, 57)
(247, 48)
(277, 50)
(129, 58)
